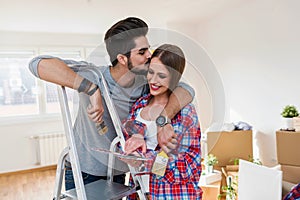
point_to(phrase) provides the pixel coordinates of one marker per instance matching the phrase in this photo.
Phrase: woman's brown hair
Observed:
(173, 58)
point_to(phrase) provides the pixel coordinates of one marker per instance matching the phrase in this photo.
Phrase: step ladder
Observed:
(101, 189)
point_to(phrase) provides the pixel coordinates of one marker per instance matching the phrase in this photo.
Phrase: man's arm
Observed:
(181, 96)
(57, 71)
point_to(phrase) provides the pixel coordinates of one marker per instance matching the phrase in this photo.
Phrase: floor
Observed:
(34, 185)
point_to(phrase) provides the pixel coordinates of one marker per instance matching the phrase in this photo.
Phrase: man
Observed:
(128, 48)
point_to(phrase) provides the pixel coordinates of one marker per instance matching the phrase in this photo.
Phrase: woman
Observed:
(180, 178)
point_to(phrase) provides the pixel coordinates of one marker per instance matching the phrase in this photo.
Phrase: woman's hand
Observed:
(166, 138)
(135, 142)
(132, 162)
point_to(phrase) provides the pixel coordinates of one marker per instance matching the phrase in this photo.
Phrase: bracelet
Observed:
(84, 86)
(90, 93)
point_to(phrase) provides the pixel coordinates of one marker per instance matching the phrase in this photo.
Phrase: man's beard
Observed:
(138, 71)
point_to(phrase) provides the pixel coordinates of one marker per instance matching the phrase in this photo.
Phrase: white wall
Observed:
(17, 149)
(256, 49)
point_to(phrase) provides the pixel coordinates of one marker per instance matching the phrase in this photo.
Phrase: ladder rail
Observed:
(118, 127)
(80, 190)
(72, 151)
(59, 173)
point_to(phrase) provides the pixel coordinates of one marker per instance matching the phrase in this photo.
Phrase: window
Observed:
(23, 94)
(18, 91)
(52, 101)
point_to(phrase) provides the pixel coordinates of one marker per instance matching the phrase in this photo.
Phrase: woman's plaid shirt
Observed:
(184, 167)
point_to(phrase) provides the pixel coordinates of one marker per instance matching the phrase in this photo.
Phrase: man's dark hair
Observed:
(119, 39)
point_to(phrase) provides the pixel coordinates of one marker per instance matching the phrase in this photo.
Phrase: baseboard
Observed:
(44, 168)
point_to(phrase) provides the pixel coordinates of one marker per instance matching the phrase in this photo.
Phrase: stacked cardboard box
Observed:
(228, 146)
(211, 191)
(288, 155)
(210, 184)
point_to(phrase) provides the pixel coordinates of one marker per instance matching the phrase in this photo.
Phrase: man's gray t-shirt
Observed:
(86, 135)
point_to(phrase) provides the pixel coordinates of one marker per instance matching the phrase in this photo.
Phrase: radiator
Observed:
(48, 147)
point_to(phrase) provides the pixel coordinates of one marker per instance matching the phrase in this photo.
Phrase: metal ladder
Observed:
(101, 189)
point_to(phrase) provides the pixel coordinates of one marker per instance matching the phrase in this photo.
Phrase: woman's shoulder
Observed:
(144, 98)
(142, 101)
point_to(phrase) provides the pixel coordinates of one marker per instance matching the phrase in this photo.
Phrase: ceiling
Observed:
(95, 16)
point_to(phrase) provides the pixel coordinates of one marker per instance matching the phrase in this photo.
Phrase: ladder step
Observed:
(102, 189)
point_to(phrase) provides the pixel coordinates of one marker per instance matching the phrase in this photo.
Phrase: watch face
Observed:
(161, 120)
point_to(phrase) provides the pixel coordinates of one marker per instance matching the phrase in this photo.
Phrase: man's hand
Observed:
(95, 109)
(136, 141)
(166, 138)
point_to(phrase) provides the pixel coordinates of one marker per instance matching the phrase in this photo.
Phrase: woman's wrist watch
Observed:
(162, 121)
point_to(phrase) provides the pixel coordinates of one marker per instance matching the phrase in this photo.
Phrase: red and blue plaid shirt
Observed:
(184, 168)
(294, 194)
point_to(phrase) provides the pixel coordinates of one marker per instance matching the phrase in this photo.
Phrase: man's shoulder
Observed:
(104, 70)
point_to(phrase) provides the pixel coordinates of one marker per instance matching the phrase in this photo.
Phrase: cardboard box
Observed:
(287, 187)
(211, 191)
(233, 174)
(290, 177)
(227, 146)
(232, 168)
(287, 143)
(291, 173)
